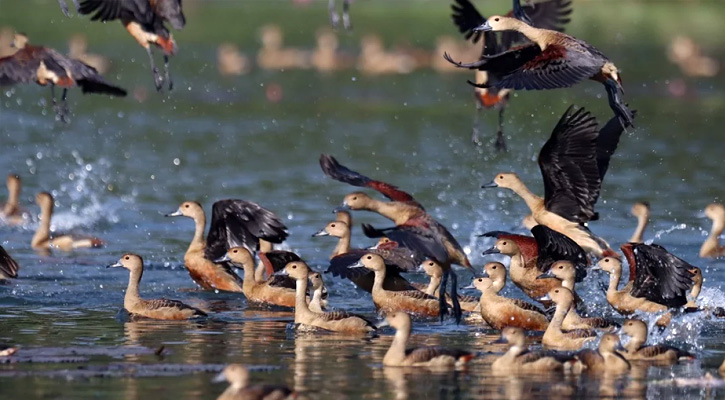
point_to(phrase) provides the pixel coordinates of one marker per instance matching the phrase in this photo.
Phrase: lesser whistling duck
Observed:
(46, 66)
(336, 321)
(518, 358)
(233, 223)
(273, 55)
(696, 288)
(412, 301)
(239, 388)
(556, 336)
(554, 60)
(335, 17)
(400, 356)
(144, 20)
(375, 60)
(8, 266)
(42, 239)
(415, 228)
(499, 311)
(605, 359)
(11, 213)
(318, 290)
(711, 248)
(573, 163)
(257, 292)
(641, 211)
(532, 256)
(78, 49)
(230, 61)
(157, 308)
(434, 271)
(658, 280)
(551, 14)
(636, 349)
(566, 273)
(327, 57)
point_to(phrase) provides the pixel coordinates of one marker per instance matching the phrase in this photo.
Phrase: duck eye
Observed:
(494, 267)
(606, 260)
(480, 279)
(294, 267)
(503, 243)
(127, 258)
(186, 206)
(430, 264)
(370, 257)
(235, 251)
(556, 291)
(354, 198)
(500, 176)
(561, 267)
(496, 19)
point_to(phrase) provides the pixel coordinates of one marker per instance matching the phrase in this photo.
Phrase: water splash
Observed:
(658, 235)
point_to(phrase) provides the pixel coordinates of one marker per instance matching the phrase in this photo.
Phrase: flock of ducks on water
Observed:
(561, 252)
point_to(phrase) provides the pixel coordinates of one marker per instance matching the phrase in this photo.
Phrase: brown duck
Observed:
(239, 388)
(605, 359)
(711, 248)
(556, 336)
(518, 358)
(636, 349)
(11, 213)
(268, 292)
(42, 239)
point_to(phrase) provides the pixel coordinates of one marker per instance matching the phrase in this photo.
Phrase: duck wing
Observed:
(607, 142)
(156, 304)
(332, 168)
(414, 235)
(589, 357)
(240, 223)
(170, 11)
(569, 167)
(526, 306)
(553, 247)
(425, 354)
(659, 276)
(579, 333)
(415, 294)
(276, 260)
(264, 392)
(341, 314)
(8, 266)
(552, 15)
(363, 277)
(20, 67)
(403, 258)
(108, 10)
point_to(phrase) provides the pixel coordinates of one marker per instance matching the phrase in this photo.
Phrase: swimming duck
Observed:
(711, 248)
(640, 210)
(65, 242)
(411, 301)
(500, 312)
(415, 229)
(554, 60)
(435, 272)
(518, 358)
(573, 163)
(556, 336)
(636, 349)
(605, 359)
(233, 223)
(258, 292)
(11, 212)
(318, 290)
(336, 321)
(8, 266)
(239, 389)
(399, 356)
(552, 14)
(7, 351)
(273, 55)
(164, 309)
(533, 256)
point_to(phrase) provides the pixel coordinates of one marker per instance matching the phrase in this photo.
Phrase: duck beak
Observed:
(382, 324)
(492, 250)
(546, 275)
(469, 286)
(358, 264)
(219, 378)
(341, 207)
(176, 213)
(483, 28)
(620, 347)
(501, 340)
(223, 258)
(281, 272)
(545, 298)
(596, 267)
(321, 233)
(116, 265)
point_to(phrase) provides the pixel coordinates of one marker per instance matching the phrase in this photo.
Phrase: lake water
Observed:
(123, 163)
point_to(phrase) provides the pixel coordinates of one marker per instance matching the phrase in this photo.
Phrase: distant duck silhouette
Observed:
(273, 55)
(711, 248)
(327, 57)
(43, 241)
(11, 213)
(460, 50)
(231, 62)
(77, 49)
(640, 210)
(374, 60)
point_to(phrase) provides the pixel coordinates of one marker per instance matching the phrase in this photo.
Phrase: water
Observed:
(123, 163)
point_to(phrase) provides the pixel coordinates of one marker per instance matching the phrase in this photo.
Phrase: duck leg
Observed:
(64, 106)
(346, 14)
(474, 136)
(615, 102)
(457, 313)
(167, 75)
(500, 139)
(334, 18)
(158, 80)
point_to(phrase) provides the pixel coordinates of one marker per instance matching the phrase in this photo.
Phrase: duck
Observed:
(500, 312)
(556, 336)
(335, 321)
(274, 56)
(411, 301)
(64, 242)
(518, 358)
(566, 273)
(573, 163)
(640, 210)
(11, 213)
(374, 60)
(414, 228)
(551, 14)
(658, 280)
(434, 271)
(46, 66)
(8, 266)
(533, 256)
(435, 357)
(606, 358)
(230, 61)
(711, 248)
(635, 349)
(697, 280)
(319, 291)
(234, 223)
(162, 309)
(239, 388)
(78, 49)
(327, 56)
(552, 60)
(257, 292)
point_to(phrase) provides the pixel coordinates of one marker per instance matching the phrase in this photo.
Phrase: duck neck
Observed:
(536, 35)
(198, 243)
(569, 284)
(379, 279)
(316, 298)
(435, 283)
(132, 296)
(396, 352)
(12, 203)
(696, 288)
(343, 244)
(614, 282)
(395, 211)
(42, 235)
(634, 344)
(639, 231)
(264, 247)
(533, 201)
(559, 315)
(249, 281)
(712, 243)
(301, 307)
(516, 350)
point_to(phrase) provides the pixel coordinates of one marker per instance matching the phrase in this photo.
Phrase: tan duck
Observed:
(711, 248)
(317, 303)
(254, 291)
(636, 349)
(435, 273)
(500, 312)
(274, 56)
(164, 309)
(336, 321)
(518, 358)
(400, 356)
(696, 288)
(65, 242)
(555, 336)
(641, 211)
(410, 301)
(8, 266)
(239, 388)
(11, 212)
(605, 359)
(240, 222)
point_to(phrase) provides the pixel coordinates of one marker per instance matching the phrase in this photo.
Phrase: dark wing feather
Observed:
(416, 294)
(8, 266)
(340, 173)
(466, 17)
(419, 240)
(18, 68)
(425, 354)
(171, 11)
(363, 277)
(504, 62)
(526, 306)
(607, 143)
(264, 392)
(340, 315)
(569, 167)
(553, 247)
(552, 15)
(660, 276)
(401, 257)
(156, 304)
(107, 10)
(275, 261)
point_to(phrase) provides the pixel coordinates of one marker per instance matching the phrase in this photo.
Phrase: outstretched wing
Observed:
(8, 266)
(607, 142)
(466, 17)
(18, 68)
(553, 247)
(108, 10)
(170, 11)
(659, 276)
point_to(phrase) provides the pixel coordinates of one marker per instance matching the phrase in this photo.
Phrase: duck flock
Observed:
(530, 53)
